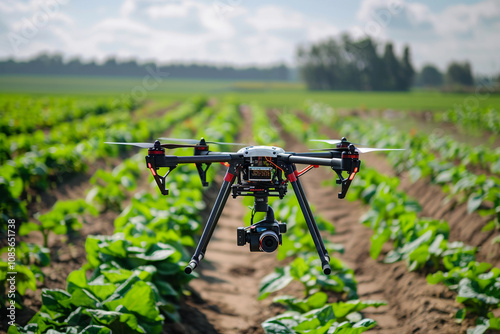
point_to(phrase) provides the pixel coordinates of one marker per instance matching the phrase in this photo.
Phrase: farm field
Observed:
(415, 245)
(276, 94)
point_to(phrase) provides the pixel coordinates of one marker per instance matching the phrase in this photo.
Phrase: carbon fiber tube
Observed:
(334, 162)
(326, 269)
(190, 267)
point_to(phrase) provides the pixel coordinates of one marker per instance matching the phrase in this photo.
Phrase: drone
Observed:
(260, 172)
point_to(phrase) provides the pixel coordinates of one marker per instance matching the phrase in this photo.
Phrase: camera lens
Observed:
(269, 241)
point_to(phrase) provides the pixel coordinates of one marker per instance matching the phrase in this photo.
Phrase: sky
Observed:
(248, 32)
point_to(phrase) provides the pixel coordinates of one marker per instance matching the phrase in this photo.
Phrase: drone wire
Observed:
(272, 163)
(253, 214)
(305, 170)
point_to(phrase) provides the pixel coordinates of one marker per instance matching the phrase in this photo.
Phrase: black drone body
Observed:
(258, 171)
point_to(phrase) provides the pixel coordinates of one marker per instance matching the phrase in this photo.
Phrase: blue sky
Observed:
(245, 32)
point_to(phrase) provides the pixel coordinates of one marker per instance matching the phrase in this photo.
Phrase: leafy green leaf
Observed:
(377, 242)
(274, 282)
(474, 202)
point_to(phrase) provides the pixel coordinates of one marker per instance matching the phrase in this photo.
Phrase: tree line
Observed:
(46, 64)
(346, 64)
(333, 64)
(457, 74)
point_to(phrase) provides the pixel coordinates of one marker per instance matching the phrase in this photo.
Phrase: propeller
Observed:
(195, 141)
(335, 141)
(374, 149)
(343, 144)
(150, 145)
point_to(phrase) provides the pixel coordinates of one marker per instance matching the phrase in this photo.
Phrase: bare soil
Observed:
(228, 284)
(224, 297)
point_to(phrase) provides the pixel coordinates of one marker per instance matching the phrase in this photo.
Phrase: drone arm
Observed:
(169, 160)
(348, 162)
(324, 155)
(335, 163)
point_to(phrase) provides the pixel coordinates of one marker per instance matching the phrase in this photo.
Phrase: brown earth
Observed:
(224, 298)
(229, 279)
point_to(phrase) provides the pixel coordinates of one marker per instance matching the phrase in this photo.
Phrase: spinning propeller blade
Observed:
(142, 145)
(373, 149)
(150, 145)
(195, 141)
(346, 143)
(359, 149)
(333, 141)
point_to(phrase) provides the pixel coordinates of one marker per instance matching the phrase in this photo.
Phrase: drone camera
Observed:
(264, 236)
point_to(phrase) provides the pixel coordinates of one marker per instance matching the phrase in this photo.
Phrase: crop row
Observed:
(65, 218)
(447, 168)
(472, 118)
(144, 257)
(24, 114)
(424, 244)
(313, 313)
(31, 173)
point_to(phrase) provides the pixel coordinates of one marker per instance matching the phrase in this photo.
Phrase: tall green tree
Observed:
(430, 76)
(346, 64)
(459, 74)
(407, 72)
(392, 77)
(370, 74)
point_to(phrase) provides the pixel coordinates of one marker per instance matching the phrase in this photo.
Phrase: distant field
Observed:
(278, 94)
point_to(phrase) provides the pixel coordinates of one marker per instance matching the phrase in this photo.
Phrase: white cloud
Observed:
(239, 32)
(321, 30)
(377, 9)
(127, 8)
(27, 26)
(227, 33)
(459, 32)
(464, 18)
(270, 18)
(180, 10)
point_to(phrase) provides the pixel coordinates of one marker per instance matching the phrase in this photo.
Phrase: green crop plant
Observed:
(308, 271)
(472, 118)
(110, 188)
(315, 315)
(144, 257)
(436, 158)
(107, 302)
(312, 315)
(25, 278)
(63, 219)
(320, 321)
(11, 188)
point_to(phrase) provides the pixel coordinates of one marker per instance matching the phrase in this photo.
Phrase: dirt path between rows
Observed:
(414, 306)
(226, 292)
